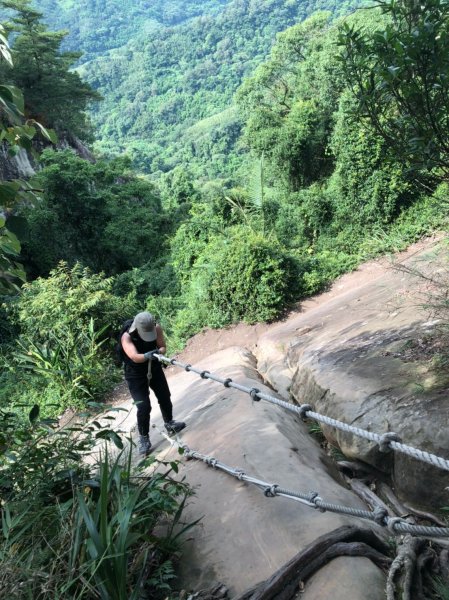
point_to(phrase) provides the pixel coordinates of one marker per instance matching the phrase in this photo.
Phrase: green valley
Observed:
(168, 82)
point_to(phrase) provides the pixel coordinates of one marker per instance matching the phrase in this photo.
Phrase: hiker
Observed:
(140, 340)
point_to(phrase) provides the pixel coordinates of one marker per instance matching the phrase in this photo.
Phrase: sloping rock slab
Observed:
(336, 579)
(347, 357)
(243, 536)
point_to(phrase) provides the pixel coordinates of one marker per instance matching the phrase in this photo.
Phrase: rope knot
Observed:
(227, 381)
(253, 393)
(386, 439)
(203, 374)
(314, 498)
(303, 409)
(240, 474)
(380, 516)
(188, 367)
(391, 523)
(271, 491)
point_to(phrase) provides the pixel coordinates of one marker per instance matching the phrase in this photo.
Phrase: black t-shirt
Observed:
(133, 369)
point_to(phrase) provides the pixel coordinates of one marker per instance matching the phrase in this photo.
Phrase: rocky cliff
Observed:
(23, 165)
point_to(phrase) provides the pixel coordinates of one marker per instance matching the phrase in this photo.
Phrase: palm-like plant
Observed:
(251, 205)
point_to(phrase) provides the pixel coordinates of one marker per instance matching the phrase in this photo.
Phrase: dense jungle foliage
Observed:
(245, 154)
(168, 82)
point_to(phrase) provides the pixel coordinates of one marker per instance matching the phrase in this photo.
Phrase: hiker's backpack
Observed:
(119, 353)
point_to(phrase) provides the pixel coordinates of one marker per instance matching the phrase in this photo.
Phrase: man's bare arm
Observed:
(130, 350)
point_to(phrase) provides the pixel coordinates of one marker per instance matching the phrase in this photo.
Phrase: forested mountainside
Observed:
(342, 128)
(99, 25)
(168, 71)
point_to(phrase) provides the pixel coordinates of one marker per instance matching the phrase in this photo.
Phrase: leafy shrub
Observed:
(369, 185)
(421, 219)
(71, 367)
(67, 300)
(303, 217)
(241, 277)
(101, 215)
(324, 267)
(84, 529)
(63, 323)
(191, 239)
(151, 279)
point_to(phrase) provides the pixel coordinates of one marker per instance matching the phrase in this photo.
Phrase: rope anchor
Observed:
(386, 439)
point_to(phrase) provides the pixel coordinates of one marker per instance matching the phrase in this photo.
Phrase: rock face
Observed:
(351, 359)
(14, 167)
(22, 166)
(243, 536)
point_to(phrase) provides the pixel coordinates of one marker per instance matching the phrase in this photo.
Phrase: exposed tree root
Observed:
(426, 515)
(404, 563)
(400, 509)
(418, 560)
(354, 468)
(443, 564)
(345, 541)
(368, 496)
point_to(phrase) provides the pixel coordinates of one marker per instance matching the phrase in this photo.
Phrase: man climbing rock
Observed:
(140, 339)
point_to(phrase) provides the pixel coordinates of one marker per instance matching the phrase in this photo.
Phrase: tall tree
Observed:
(289, 101)
(400, 75)
(54, 93)
(16, 134)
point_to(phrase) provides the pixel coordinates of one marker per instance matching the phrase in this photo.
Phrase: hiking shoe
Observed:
(144, 445)
(174, 426)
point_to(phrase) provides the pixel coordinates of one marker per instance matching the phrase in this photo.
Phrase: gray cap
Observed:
(145, 325)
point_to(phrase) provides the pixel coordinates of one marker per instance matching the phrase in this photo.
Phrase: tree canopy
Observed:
(54, 94)
(399, 73)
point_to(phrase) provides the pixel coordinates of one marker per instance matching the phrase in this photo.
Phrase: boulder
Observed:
(351, 357)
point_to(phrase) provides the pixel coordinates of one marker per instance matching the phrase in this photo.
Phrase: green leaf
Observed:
(112, 436)
(49, 134)
(8, 192)
(9, 243)
(12, 97)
